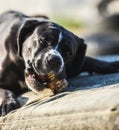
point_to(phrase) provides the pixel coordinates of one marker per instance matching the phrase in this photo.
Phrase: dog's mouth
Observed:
(40, 78)
(37, 82)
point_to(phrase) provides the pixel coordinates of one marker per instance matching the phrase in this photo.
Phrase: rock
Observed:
(90, 103)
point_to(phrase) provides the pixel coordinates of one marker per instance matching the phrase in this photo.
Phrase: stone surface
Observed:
(90, 103)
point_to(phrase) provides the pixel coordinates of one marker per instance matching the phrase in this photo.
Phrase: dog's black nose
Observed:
(54, 60)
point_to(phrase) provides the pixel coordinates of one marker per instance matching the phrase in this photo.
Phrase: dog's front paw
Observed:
(112, 67)
(8, 102)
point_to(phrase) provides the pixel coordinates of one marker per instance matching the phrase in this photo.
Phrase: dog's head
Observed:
(47, 47)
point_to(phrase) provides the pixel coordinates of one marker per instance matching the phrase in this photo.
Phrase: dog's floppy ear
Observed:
(78, 59)
(25, 30)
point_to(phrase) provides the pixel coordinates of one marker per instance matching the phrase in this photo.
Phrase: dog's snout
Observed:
(53, 60)
(49, 61)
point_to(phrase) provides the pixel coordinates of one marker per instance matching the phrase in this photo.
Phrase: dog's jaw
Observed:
(54, 83)
(31, 86)
(35, 82)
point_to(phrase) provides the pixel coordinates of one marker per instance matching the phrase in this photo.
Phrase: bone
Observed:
(55, 84)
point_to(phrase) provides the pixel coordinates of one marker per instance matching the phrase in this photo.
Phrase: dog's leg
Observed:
(92, 65)
(8, 102)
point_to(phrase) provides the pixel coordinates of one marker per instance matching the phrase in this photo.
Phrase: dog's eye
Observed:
(42, 42)
(68, 53)
(49, 43)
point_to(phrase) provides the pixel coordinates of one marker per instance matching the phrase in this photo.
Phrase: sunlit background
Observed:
(90, 19)
(77, 11)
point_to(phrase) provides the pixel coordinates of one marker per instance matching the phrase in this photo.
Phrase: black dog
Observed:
(32, 47)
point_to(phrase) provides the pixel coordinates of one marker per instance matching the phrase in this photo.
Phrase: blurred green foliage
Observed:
(68, 22)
